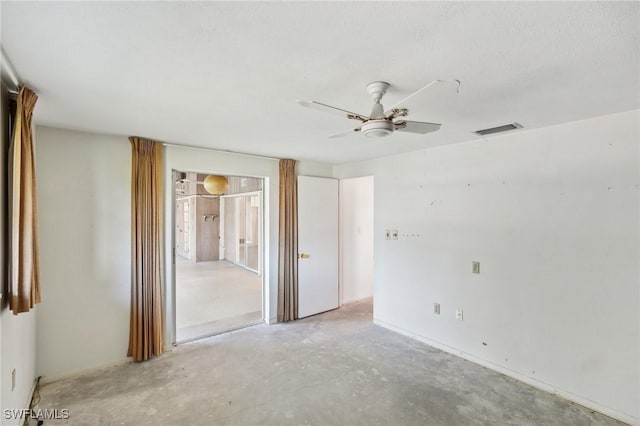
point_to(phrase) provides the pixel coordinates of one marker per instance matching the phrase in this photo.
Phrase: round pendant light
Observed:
(216, 185)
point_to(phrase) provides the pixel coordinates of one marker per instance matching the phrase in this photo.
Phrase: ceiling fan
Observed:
(381, 123)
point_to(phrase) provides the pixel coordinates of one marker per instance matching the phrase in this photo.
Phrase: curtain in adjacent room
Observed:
(23, 250)
(146, 328)
(288, 243)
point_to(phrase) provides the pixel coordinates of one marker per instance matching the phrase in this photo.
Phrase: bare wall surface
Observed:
(84, 193)
(552, 216)
(17, 332)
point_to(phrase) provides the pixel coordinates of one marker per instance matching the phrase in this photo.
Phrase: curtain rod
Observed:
(10, 72)
(220, 150)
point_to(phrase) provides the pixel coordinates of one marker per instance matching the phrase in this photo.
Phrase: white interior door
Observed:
(317, 245)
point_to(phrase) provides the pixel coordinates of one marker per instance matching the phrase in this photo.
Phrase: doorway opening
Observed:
(218, 253)
(356, 239)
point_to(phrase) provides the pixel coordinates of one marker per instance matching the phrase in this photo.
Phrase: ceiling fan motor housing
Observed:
(377, 89)
(377, 128)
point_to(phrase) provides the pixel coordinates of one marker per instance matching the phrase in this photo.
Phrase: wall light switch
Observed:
(436, 308)
(459, 315)
(388, 234)
(394, 234)
(475, 267)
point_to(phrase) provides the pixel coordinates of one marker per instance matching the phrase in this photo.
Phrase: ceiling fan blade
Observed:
(416, 127)
(390, 110)
(328, 108)
(346, 133)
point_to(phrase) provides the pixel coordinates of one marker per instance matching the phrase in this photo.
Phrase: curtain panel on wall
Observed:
(288, 243)
(146, 328)
(23, 250)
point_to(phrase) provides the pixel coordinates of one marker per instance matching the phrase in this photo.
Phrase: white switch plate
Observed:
(436, 308)
(387, 234)
(394, 235)
(475, 268)
(459, 314)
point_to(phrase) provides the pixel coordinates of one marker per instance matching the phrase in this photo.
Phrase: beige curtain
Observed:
(288, 243)
(146, 330)
(24, 263)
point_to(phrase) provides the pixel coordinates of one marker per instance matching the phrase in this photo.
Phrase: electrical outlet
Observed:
(394, 235)
(13, 379)
(475, 268)
(459, 315)
(388, 234)
(436, 308)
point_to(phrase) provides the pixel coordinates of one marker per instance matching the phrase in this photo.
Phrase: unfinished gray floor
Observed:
(332, 369)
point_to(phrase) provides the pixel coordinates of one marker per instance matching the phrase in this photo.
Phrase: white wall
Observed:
(552, 215)
(356, 239)
(19, 353)
(84, 196)
(312, 168)
(17, 332)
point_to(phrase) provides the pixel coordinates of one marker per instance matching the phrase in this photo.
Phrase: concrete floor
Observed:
(215, 296)
(332, 369)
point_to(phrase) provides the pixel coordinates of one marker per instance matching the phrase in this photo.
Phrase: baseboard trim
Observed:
(34, 386)
(585, 402)
(46, 379)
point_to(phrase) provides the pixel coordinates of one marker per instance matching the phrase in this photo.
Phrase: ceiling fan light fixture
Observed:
(377, 128)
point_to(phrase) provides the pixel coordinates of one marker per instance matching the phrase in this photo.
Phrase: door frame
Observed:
(170, 320)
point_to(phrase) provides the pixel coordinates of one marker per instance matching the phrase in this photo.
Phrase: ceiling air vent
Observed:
(498, 129)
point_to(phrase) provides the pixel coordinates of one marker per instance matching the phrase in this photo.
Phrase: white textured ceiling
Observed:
(227, 75)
